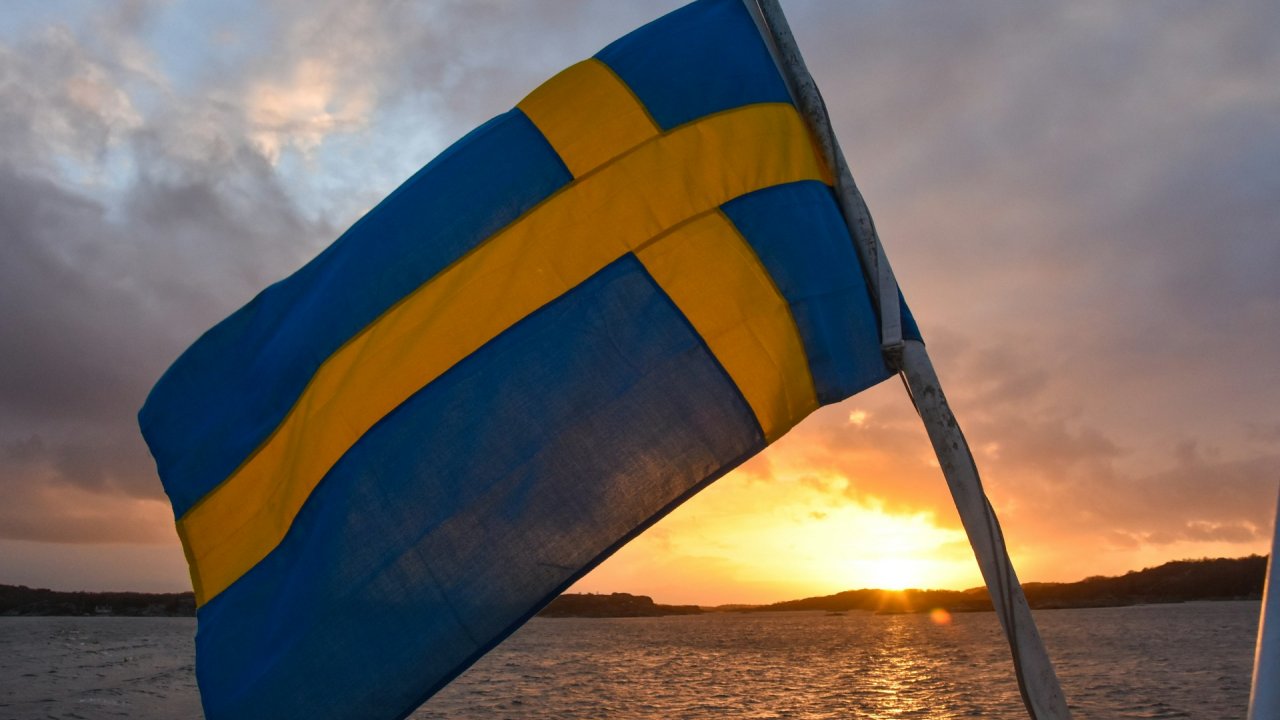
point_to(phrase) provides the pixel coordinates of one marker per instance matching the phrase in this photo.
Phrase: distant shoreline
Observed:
(1173, 582)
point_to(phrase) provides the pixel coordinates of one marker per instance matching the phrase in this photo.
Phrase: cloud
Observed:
(305, 110)
(44, 507)
(1107, 167)
(142, 202)
(125, 236)
(1079, 200)
(1073, 500)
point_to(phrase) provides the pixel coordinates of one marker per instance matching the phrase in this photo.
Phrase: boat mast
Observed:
(1037, 682)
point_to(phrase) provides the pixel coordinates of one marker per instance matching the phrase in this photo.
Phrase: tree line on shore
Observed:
(1177, 581)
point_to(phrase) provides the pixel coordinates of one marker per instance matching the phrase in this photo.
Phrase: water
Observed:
(1157, 661)
(97, 667)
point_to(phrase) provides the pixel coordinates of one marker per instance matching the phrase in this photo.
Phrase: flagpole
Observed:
(879, 275)
(1037, 681)
(1264, 696)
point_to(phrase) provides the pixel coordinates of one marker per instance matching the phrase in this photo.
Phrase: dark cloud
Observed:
(140, 208)
(104, 280)
(1108, 165)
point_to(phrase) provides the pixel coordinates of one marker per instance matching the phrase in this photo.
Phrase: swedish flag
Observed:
(557, 331)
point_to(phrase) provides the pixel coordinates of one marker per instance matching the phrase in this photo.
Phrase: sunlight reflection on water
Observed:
(1164, 661)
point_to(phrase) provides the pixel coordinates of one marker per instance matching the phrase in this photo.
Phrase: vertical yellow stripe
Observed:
(588, 115)
(716, 280)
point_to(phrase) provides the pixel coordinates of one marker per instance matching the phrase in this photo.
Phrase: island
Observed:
(613, 605)
(23, 600)
(1172, 582)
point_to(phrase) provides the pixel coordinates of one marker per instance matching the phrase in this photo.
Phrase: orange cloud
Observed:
(303, 110)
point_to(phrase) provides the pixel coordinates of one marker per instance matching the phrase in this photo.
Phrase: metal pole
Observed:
(1264, 697)
(1037, 682)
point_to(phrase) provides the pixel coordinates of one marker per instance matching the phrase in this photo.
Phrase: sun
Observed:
(861, 545)
(868, 547)
(893, 573)
(756, 542)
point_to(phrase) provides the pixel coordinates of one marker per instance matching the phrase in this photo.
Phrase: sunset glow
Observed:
(161, 167)
(757, 537)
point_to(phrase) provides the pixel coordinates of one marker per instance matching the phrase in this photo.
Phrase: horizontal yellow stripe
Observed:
(573, 234)
(588, 115)
(715, 278)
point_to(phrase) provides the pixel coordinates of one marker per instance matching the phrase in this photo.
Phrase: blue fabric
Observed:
(231, 389)
(421, 550)
(799, 235)
(700, 59)
(493, 488)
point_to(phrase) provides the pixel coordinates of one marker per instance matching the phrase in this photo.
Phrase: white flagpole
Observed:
(1037, 682)
(1264, 697)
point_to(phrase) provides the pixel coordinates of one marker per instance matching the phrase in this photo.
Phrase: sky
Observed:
(1081, 201)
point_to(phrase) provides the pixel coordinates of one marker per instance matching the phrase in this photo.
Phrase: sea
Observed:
(1189, 660)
